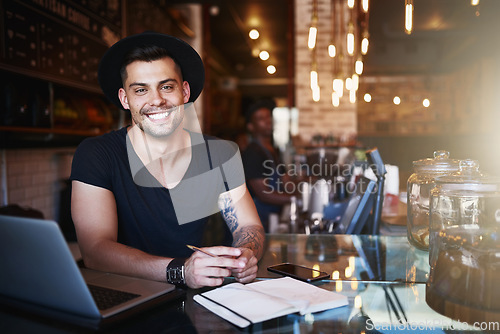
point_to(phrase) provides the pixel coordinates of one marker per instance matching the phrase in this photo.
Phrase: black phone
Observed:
(299, 272)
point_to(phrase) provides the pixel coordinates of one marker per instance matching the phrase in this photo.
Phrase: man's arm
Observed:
(240, 214)
(94, 214)
(93, 211)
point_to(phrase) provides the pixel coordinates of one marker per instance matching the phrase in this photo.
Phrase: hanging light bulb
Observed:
(254, 34)
(313, 32)
(474, 2)
(348, 84)
(358, 67)
(332, 51)
(408, 16)
(364, 43)
(264, 55)
(355, 81)
(352, 96)
(314, 79)
(350, 39)
(338, 87)
(335, 99)
(350, 3)
(316, 94)
(365, 5)
(367, 98)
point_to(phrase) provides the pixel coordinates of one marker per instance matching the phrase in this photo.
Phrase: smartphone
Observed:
(299, 272)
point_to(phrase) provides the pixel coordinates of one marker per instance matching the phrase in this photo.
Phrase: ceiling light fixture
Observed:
(311, 43)
(264, 55)
(271, 69)
(359, 66)
(365, 5)
(313, 29)
(408, 16)
(364, 44)
(332, 50)
(350, 39)
(335, 99)
(254, 34)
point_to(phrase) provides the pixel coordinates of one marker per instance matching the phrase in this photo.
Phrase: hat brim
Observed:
(188, 59)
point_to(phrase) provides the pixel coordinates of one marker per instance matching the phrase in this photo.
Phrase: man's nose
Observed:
(156, 98)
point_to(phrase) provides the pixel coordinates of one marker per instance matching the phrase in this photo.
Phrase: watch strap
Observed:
(175, 272)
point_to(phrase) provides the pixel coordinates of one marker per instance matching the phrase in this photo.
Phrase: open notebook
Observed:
(39, 273)
(246, 304)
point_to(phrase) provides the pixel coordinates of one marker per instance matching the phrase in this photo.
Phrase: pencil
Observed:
(200, 250)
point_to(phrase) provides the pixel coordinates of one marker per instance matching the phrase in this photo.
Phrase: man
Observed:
(261, 162)
(132, 212)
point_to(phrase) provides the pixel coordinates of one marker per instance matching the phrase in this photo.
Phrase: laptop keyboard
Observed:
(106, 298)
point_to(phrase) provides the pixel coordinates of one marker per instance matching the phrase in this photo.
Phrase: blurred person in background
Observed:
(264, 172)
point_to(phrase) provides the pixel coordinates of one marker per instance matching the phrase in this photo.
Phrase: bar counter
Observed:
(384, 278)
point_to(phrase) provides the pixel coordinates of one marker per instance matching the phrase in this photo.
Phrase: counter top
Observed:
(382, 276)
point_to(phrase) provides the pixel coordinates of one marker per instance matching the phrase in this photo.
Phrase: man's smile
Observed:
(159, 116)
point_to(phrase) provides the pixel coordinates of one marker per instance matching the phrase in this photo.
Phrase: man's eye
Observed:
(166, 87)
(140, 91)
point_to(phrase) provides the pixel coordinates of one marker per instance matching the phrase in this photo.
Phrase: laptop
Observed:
(39, 273)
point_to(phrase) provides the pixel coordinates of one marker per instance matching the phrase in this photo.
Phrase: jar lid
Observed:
(472, 184)
(468, 172)
(440, 163)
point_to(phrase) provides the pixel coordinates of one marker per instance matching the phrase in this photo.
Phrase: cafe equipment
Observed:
(328, 169)
(464, 251)
(378, 168)
(419, 186)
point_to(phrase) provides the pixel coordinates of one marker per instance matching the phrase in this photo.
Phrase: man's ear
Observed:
(186, 91)
(123, 98)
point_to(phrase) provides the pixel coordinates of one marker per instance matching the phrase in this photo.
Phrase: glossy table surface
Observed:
(382, 276)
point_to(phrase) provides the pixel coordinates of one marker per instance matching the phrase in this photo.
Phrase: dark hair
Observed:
(145, 53)
(264, 103)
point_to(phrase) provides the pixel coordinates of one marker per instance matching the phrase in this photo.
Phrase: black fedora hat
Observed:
(189, 60)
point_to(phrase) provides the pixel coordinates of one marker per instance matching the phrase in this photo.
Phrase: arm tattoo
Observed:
(250, 237)
(228, 212)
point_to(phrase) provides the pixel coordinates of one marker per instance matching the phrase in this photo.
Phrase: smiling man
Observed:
(142, 193)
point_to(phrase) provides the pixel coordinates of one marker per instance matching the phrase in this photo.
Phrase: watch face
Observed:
(175, 275)
(175, 272)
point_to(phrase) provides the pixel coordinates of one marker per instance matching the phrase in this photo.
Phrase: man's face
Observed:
(152, 91)
(262, 122)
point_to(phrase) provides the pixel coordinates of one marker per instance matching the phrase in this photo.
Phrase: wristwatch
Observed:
(175, 271)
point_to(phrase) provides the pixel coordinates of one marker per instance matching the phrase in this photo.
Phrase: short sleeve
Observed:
(91, 164)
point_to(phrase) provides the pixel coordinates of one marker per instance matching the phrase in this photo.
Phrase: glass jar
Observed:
(464, 251)
(419, 186)
(441, 210)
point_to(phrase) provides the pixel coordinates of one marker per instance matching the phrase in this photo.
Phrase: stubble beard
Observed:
(164, 129)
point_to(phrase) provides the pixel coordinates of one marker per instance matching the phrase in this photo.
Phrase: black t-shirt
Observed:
(152, 218)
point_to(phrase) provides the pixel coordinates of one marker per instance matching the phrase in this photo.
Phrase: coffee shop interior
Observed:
(434, 88)
(394, 84)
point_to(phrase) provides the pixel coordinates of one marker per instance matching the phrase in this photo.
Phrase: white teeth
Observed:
(159, 115)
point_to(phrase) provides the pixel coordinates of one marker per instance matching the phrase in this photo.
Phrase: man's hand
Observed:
(203, 270)
(249, 272)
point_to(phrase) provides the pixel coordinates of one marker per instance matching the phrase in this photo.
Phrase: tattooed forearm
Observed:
(228, 212)
(251, 237)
